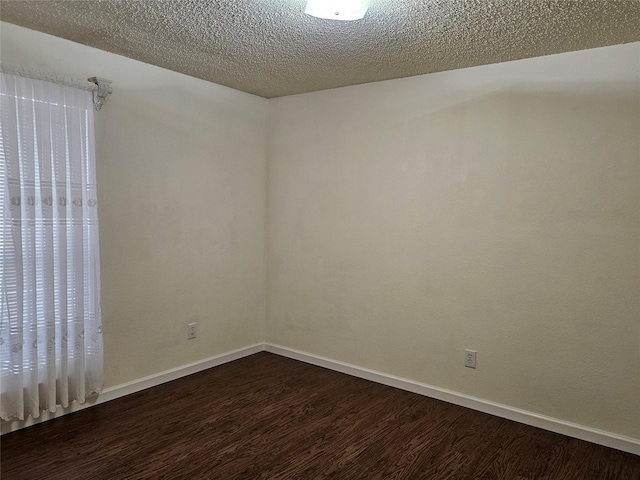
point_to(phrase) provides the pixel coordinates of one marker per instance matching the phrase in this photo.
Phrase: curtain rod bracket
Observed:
(100, 93)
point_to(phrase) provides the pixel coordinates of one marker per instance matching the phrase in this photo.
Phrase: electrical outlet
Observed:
(470, 358)
(192, 331)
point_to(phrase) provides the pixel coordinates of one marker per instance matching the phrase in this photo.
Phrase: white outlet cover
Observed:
(192, 331)
(470, 358)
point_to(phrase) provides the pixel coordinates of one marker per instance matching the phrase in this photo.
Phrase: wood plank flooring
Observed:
(269, 417)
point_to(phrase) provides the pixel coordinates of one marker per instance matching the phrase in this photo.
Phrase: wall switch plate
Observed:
(470, 358)
(192, 331)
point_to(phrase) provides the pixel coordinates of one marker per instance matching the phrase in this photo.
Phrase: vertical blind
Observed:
(51, 331)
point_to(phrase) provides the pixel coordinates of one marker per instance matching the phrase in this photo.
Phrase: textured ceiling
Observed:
(271, 48)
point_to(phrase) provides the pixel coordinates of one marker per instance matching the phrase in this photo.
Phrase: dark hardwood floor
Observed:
(269, 417)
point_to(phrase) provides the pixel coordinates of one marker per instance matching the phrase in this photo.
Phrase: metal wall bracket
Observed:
(100, 93)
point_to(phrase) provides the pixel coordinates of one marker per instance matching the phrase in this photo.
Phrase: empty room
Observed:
(291, 239)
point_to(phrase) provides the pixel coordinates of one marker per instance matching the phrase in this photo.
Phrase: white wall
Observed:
(494, 208)
(182, 189)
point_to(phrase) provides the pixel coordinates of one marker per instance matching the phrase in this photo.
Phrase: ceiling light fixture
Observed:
(337, 9)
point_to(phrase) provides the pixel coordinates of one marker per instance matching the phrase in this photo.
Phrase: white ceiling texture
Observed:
(271, 48)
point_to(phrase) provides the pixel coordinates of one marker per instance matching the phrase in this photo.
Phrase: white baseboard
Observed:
(123, 389)
(581, 432)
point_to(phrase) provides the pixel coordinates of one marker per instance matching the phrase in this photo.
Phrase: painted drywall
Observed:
(181, 167)
(494, 208)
